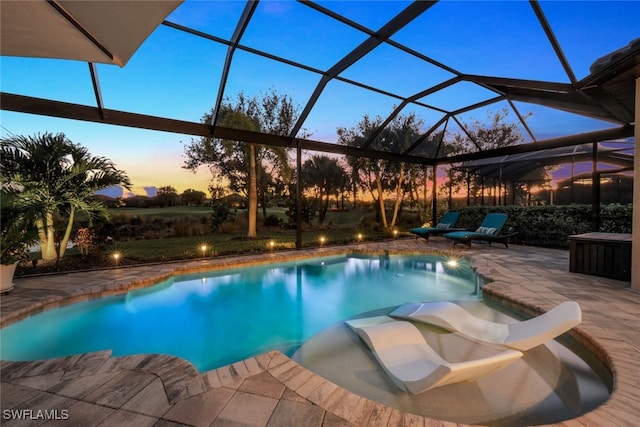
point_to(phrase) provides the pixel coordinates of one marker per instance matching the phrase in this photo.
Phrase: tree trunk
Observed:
(426, 194)
(47, 238)
(42, 236)
(253, 193)
(355, 190)
(67, 233)
(322, 206)
(415, 197)
(325, 207)
(399, 196)
(383, 214)
(421, 201)
(263, 202)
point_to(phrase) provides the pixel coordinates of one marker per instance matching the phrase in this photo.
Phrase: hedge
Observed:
(551, 225)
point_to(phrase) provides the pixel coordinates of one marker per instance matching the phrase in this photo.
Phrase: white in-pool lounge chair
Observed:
(519, 336)
(412, 364)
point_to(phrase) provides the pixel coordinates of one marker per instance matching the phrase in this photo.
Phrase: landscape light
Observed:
(359, 236)
(322, 240)
(116, 257)
(272, 244)
(395, 233)
(203, 248)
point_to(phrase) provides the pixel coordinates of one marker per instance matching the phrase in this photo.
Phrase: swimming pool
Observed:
(216, 318)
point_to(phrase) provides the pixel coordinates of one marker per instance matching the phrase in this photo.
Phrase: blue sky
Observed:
(177, 75)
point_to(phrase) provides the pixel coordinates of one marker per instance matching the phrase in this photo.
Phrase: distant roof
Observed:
(517, 166)
(615, 56)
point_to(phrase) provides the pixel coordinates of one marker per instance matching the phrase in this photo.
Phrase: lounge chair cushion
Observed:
(412, 364)
(448, 220)
(422, 231)
(486, 230)
(520, 335)
(445, 225)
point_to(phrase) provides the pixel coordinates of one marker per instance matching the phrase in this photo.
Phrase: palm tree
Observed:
(325, 176)
(56, 179)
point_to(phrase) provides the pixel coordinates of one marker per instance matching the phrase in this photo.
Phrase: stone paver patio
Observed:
(272, 390)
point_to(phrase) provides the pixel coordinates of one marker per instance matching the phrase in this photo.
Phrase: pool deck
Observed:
(97, 389)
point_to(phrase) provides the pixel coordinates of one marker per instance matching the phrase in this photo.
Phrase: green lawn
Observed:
(340, 227)
(169, 212)
(183, 248)
(348, 217)
(225, 244)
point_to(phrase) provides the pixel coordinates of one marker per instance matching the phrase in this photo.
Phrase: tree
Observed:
(246, 166)
(56, 179)
(167, 195)
(344, 185)
(483, 135)
(486, 135)
(325, 177)
(379, 176)
(191, 197)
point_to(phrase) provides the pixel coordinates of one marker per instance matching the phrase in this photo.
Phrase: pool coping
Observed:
(182, 382)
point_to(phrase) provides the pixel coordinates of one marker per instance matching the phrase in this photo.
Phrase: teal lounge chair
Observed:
(489, 231)
(444, 226)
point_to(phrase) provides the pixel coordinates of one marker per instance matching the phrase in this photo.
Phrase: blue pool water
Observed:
(216, 318)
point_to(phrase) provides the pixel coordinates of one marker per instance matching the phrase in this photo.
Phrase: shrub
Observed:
(292, 215)
(238, 222)
(408, 219)
(187, 227)
(84, 240)
(220, 213)
(616, 218)
(369, 222)
(272, 221)
(550, 226)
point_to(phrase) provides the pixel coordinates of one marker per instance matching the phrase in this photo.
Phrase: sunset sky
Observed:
(177, 75)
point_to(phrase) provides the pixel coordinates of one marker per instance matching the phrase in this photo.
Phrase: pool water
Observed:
(217, 318)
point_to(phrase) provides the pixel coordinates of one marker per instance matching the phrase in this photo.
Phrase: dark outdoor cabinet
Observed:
(601, 254)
